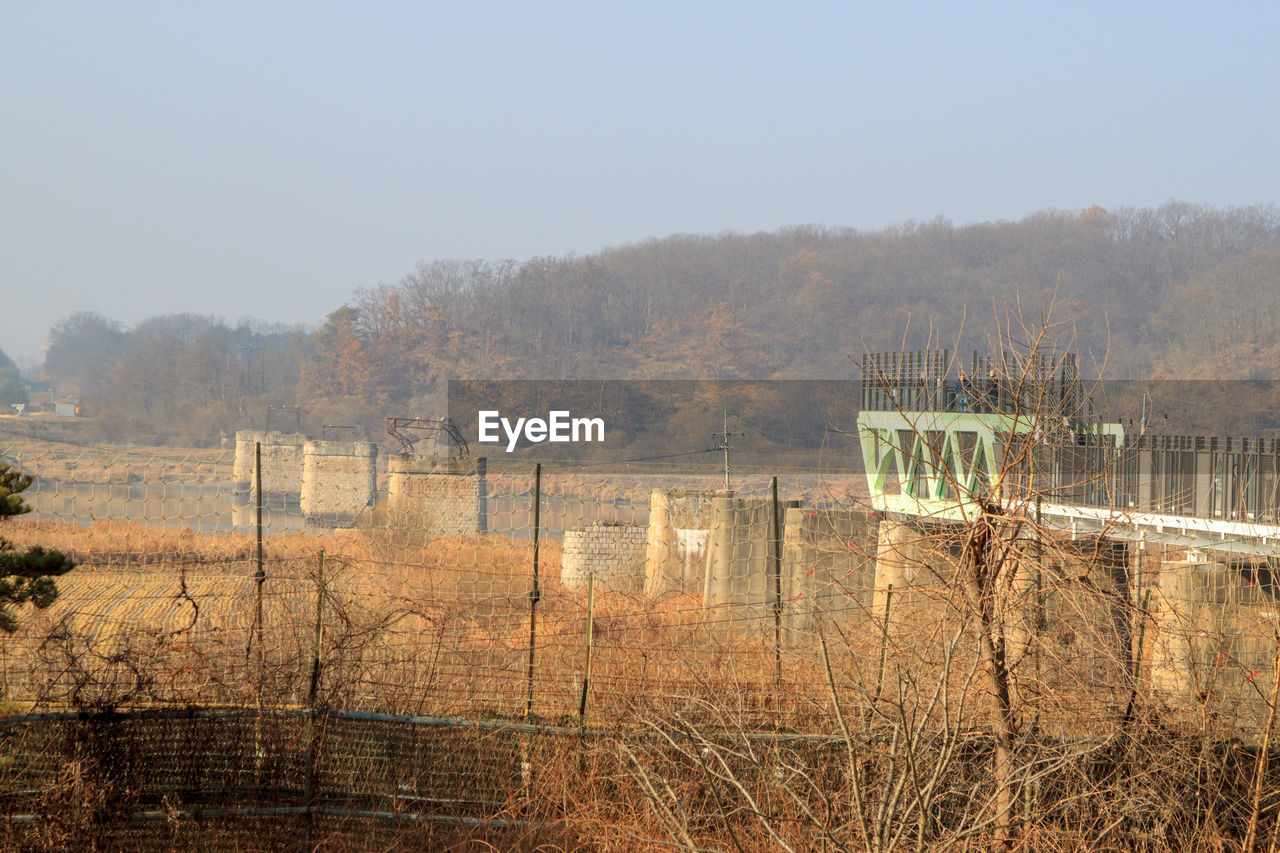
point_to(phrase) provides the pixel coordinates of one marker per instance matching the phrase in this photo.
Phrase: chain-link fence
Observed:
(299, 640)
(450, 586)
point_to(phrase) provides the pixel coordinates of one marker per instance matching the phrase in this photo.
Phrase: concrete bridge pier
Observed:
(1193, 643)
(741, 549)
(430, 495)
(338, 481)
(918, 565)
(678, 541)
(828, 562)
(281, 475)
(899, 561)
(663, 572)
(743, 555)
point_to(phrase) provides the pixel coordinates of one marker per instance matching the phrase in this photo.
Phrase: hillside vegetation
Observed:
(1179, 291)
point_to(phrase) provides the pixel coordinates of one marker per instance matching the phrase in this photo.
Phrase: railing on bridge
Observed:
(907, 381)
(1193, 476)
(928, 434)
(923, 381)
(1201, 476)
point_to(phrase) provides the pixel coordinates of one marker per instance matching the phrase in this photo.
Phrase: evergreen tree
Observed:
(11, 390)
(25, 575)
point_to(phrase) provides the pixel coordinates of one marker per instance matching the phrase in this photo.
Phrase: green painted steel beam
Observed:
(925, 452)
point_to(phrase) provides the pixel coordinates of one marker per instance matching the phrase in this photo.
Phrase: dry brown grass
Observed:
(108, 464)
(439, 626)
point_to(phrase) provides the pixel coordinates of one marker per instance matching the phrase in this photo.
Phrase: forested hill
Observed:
(1179, 291)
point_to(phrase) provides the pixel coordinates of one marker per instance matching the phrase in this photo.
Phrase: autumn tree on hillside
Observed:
(1166, 287)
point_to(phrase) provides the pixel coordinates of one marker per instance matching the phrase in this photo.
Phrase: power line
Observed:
(725, 445)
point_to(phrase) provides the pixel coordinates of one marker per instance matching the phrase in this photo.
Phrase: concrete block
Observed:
(677, 548)
(437, 495)
(339, 480)
(614, 552)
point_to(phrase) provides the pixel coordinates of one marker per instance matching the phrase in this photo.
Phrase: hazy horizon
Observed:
(265, 162)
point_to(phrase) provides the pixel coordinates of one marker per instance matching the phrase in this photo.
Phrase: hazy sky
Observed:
(264, 160)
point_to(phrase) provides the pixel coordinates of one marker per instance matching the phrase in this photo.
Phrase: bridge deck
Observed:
(931, 442)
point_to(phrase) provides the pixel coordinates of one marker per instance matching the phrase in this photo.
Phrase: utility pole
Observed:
(723, 439)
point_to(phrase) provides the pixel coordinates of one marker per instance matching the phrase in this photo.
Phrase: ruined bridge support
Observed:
(434, 495)
(339, 481)
(281, 475)
(1215, 643)
(1064, 621)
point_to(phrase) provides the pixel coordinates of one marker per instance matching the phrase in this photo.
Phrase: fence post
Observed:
(255, 635)
(313, 695)
(884, 652)
(260, 575)
(482, 494)
(535, 594)
(586, 669)
(313, 690)
(777, 585)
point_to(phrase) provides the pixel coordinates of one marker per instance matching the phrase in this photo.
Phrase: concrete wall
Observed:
(1192, 630)
(828, 566)
(339, 480)
(741, 567)
(437, 495)
(677, 548)
(282, 462)
(615, 552)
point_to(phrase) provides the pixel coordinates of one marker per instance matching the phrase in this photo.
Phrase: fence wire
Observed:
(640, 601)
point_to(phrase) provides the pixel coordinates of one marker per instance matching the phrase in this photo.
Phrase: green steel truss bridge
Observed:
(1020, 433)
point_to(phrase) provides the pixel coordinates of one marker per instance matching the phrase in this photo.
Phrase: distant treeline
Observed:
(1179, 291)
(651, 420)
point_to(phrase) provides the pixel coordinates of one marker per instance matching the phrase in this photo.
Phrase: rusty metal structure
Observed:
(409, 431)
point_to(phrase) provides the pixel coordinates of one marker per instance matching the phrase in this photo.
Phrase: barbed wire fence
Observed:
(448, 645)
(442, 554)
(512, 596)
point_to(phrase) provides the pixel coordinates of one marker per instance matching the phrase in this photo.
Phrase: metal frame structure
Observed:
(403, 428)
(930, 452)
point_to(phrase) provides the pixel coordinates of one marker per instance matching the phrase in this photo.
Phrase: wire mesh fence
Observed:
(459, 587)
(422, 638)
(439, 571)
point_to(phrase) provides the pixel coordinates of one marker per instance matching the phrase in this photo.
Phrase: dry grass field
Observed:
(113, 464)
(692, 712)
(156, 615)
(442, 626)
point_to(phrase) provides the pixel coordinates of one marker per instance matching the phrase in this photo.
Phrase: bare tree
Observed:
(967, 712)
